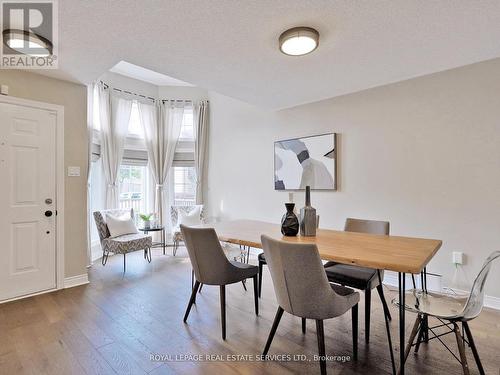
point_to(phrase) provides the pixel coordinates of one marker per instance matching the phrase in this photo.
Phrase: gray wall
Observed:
(422, 153)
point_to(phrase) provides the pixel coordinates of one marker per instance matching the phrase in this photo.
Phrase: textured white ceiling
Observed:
(230, 46)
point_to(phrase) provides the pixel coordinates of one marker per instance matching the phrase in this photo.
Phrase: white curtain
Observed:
(162, 126)
(90, 127)
(114, 116)
(200, 146)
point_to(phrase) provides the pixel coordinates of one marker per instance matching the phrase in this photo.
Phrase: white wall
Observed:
(423, 154)
(182, 92)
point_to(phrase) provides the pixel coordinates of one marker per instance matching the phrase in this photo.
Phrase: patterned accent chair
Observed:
(124, 244)
(174, 218)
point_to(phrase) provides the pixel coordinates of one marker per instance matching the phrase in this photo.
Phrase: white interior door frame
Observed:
(58, 110)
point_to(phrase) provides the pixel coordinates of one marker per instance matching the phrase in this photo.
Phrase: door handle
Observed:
(48, 213)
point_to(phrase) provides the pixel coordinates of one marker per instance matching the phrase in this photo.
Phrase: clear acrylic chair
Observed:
(450, 311)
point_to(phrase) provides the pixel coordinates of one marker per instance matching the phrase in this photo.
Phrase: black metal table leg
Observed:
(402, 277)
(163, 239)
(388, 329)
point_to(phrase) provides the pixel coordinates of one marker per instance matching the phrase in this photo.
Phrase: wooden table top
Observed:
(394, 253)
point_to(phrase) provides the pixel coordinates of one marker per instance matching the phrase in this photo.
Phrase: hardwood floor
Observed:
(114, 324)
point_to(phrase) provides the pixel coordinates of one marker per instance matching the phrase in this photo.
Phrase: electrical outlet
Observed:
(458, 257)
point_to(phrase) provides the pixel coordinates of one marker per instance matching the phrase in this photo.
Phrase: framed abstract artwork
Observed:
(307, 161)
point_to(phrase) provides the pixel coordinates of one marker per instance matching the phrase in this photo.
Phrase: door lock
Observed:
(48, 201)
(48, 213)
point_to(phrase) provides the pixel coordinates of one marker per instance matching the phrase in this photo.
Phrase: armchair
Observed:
(124, 244)
(175, 212)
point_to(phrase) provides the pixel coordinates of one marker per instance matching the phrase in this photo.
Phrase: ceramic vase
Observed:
(289, 221)
(308, 217)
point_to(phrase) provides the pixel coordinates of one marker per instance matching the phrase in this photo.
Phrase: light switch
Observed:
(73, 171)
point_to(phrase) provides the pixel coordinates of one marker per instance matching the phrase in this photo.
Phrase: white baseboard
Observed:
(391, 278)
(492, 302)
(70, 282)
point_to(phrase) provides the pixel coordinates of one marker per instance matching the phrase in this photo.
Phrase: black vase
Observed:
(289, 221)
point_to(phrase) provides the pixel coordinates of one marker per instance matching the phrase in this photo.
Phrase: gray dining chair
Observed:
(302, 289)
(211, 267)
(450, 311)
(262, 261)
(361, 278)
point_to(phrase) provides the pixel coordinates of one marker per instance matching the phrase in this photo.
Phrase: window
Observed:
(184, 186)
(187, 128)
(132, 181)
(134, 125)
(133, 174)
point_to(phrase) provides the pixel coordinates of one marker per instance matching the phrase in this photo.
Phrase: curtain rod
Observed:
(144, 96)
(127, 92)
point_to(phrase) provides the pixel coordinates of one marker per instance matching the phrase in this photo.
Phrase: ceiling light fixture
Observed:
(27, 42)
(299, 41)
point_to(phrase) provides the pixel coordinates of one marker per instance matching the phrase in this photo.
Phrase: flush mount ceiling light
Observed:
(299, 41)
(27, 43)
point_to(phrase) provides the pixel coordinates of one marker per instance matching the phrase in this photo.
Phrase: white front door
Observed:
(27, 200)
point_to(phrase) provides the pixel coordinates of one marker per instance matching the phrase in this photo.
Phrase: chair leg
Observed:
(416, 327)
(199, 290)
(191, 300)
(354, 311)
(321, 345)
(368, 301)
(244, 285)
(124, 262)
(223, 310)
(380, 290)
(303, 325)
(461, 349)
(420, 337)
(473, 347)
(261, 264)
(256, 294)
(276, 322)
(104, 258)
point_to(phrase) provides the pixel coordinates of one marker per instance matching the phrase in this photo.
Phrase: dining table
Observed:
(404, 255)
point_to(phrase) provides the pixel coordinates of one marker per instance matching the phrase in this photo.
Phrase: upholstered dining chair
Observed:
(361, 278)
(302, 289)
(211, 267)
(450, 312)
(124, 244)
(175, 213)
(262, 261)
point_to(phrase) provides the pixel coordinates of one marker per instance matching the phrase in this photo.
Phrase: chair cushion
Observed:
(127, 243)
(262, 258)
(342, 290)
(190, 218)
(120, 225)
(244, 270)
(353, 276)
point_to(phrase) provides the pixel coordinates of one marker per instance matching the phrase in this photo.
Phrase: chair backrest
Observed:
(366, 226)
(299, 279)
(175, 210)
(209, 262)
(100, 220)
(475, 302)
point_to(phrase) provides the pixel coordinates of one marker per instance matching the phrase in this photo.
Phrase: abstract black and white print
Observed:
(307, 161)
